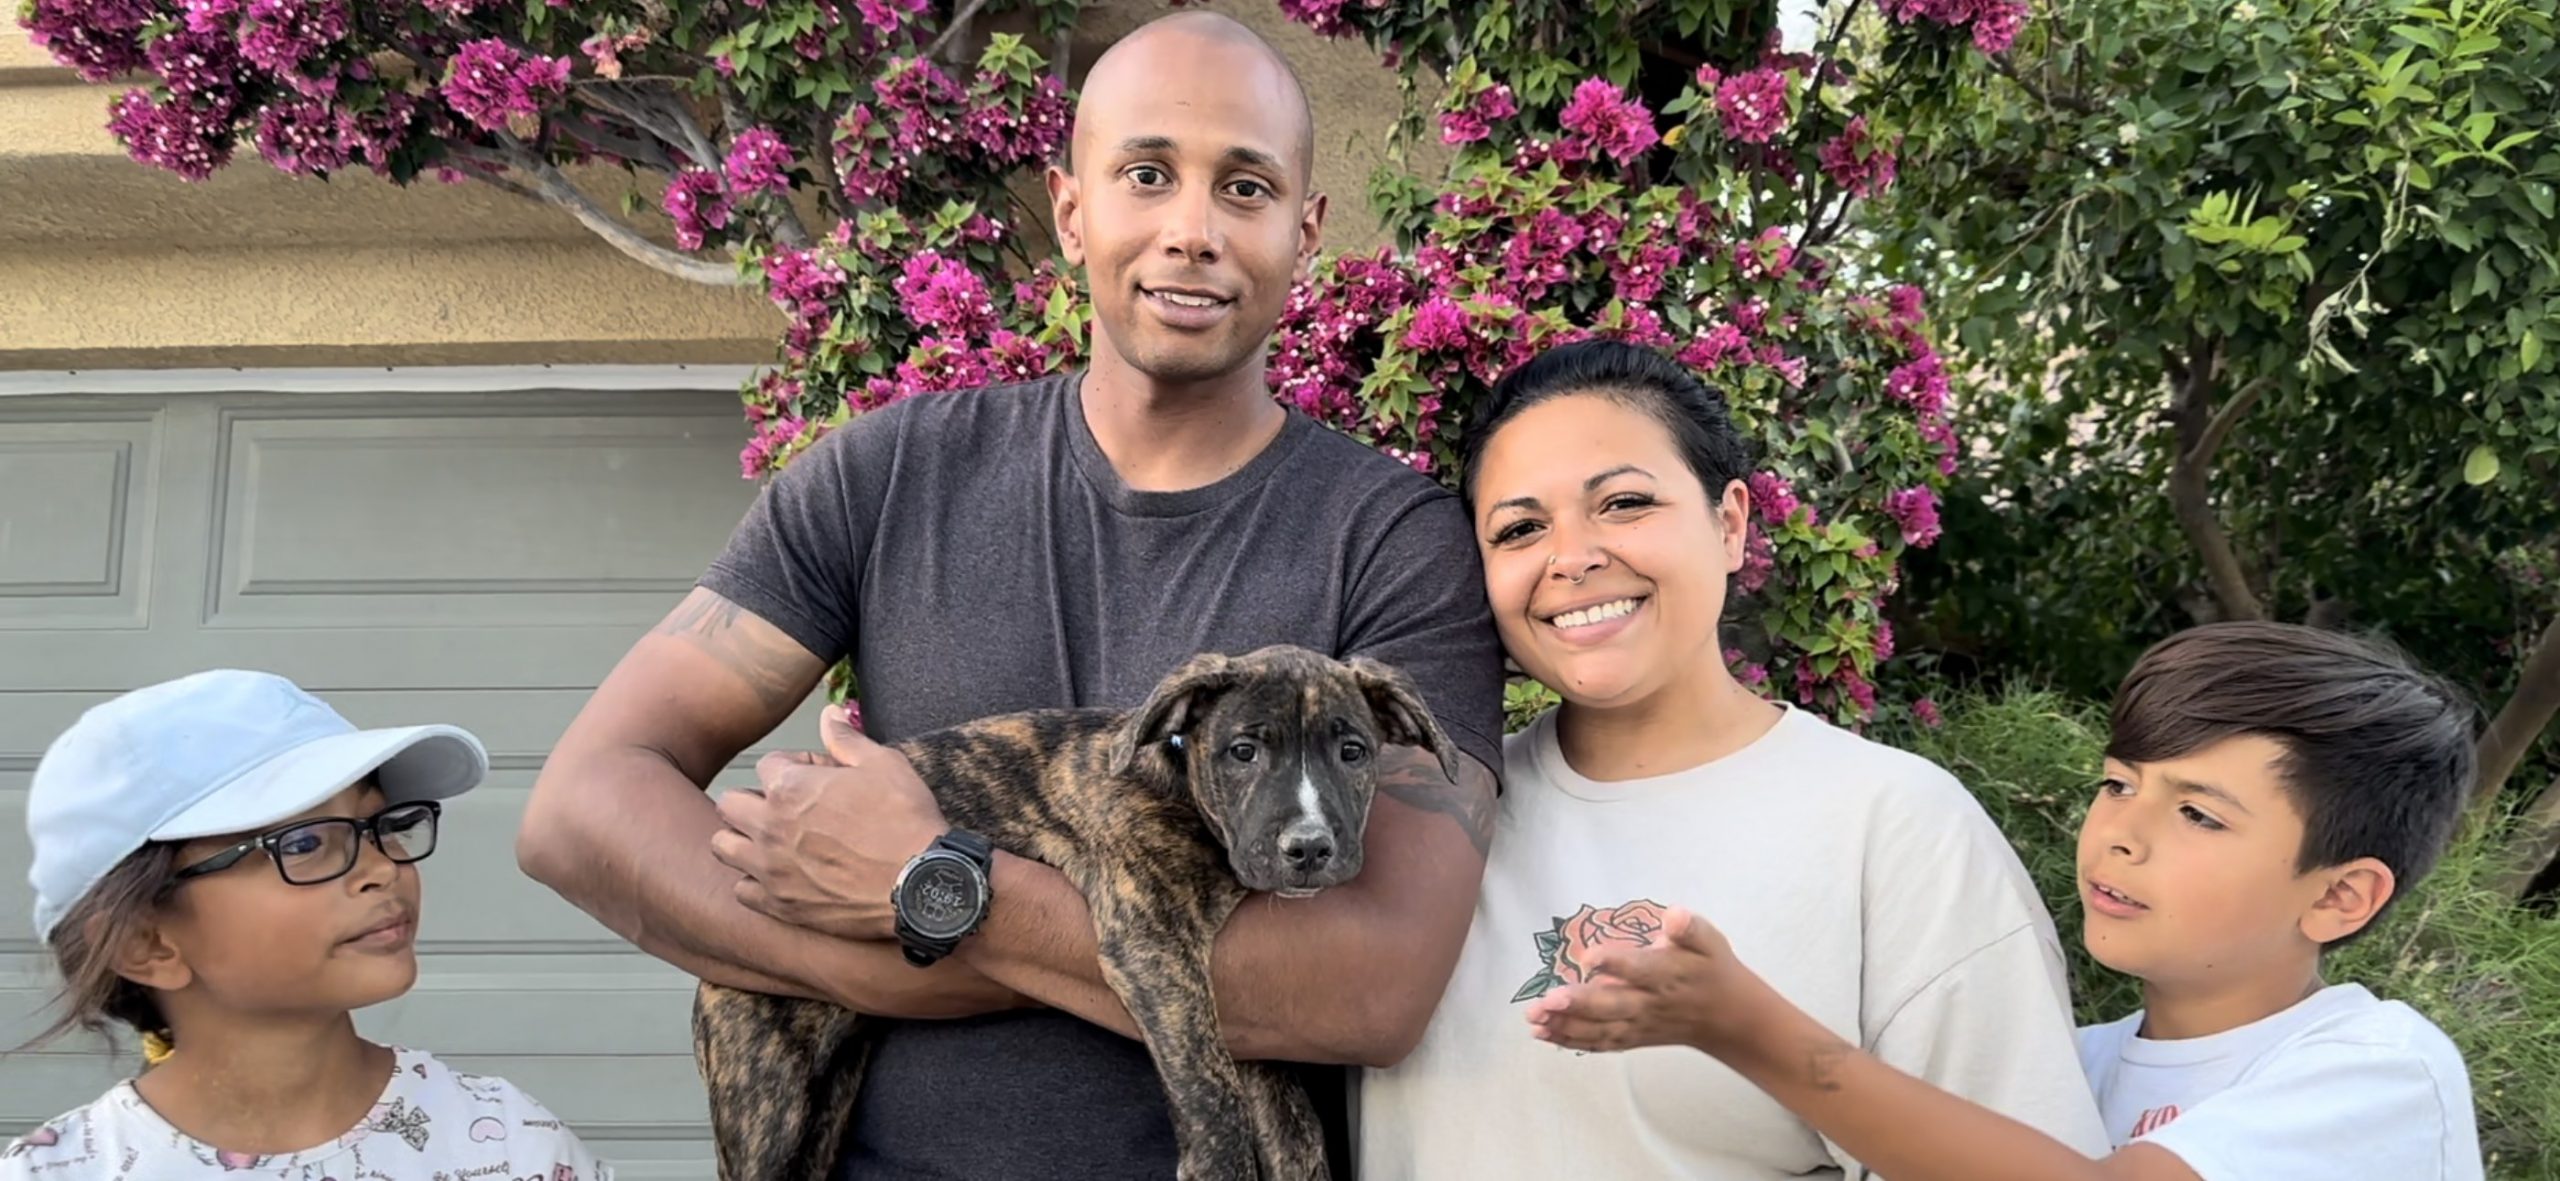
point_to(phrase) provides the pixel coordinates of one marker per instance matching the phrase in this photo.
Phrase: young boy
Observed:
(2269, 790)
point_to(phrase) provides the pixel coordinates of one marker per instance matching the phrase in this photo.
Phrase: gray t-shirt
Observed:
(977, 554)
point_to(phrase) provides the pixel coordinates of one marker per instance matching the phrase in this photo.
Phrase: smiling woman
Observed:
(1609, 492)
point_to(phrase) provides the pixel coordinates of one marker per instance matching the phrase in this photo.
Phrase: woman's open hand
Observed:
(1682, 988)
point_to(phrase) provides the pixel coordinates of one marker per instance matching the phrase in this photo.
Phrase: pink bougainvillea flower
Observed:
(1602, 115)
(697, 205)
(1862, 168)
(489, 82)
(1915, 510)
(758, 162)
(1753, 105)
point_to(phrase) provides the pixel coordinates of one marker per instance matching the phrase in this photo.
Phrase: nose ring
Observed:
(1575, 579)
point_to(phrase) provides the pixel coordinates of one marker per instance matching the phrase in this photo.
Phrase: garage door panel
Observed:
(548, 656)
(479, 1000)
(76, 516)
(335, 516)
(482, 560)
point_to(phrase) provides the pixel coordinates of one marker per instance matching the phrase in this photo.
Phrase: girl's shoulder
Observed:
(91, 1131)
(490, 1108)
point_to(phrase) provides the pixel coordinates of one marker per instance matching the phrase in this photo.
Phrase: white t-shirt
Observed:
(1863, 882)
(2340, 1087)
(431, 1124)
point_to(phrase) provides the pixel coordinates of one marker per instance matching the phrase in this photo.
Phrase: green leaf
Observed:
(2539, 194)
(2482, 465)
(2477, 127)
(2528, 350)
(2352, 118)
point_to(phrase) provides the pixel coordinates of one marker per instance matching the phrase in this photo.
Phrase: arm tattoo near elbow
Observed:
(760, 656)
(1415, 781)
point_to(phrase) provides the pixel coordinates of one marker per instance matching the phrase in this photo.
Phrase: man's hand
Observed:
(1683, 988)
(822, 837)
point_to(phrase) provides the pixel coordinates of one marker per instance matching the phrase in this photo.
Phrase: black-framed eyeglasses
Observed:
(309, 852)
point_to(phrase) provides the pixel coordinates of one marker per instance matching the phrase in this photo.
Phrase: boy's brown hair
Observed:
(2379, 754)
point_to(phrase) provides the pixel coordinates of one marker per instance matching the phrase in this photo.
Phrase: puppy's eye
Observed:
(1353, 752)
(1242, 750)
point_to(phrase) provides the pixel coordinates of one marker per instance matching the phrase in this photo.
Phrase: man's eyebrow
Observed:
(2206, 789)
(1252, 158)
(1138, 145)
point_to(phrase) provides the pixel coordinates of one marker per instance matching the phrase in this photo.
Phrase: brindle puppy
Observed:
(1267, 789)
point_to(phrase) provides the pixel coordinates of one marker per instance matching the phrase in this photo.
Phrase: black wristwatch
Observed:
(943, 894)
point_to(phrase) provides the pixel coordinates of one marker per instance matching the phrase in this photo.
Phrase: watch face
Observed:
(941, 896)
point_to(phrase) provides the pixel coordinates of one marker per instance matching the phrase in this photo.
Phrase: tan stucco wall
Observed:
(107, 264)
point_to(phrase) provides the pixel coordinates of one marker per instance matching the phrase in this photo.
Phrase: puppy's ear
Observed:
(1403, 717)
(1177, 701)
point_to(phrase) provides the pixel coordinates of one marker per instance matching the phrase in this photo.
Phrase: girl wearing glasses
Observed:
(227, 867)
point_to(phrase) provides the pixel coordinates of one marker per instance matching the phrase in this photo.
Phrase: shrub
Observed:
(2483, 969)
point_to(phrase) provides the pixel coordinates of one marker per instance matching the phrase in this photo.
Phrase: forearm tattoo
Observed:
(1413, 779)
(769, 662)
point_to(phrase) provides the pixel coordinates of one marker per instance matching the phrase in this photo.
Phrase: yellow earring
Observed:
(155, 1048)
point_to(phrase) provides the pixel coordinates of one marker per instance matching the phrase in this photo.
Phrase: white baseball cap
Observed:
(212, 753)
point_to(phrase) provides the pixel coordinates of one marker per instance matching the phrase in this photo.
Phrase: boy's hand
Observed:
(1684, 988)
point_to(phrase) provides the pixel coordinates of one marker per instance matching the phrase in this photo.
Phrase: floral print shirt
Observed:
(432, 1123)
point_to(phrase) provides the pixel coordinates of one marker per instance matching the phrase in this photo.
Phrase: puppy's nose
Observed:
(1307, 847)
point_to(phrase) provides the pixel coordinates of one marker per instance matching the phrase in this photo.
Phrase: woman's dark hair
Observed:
(1634, 376)
(86, 942)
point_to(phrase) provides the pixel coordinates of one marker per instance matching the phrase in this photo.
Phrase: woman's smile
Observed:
(1589, 624)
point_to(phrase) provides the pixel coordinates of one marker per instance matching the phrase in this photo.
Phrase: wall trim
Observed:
(389, 379)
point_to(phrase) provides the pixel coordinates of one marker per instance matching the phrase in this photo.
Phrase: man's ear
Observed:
(1178, 700)
(2354, 893)
(1310, 235)
(1066, 201)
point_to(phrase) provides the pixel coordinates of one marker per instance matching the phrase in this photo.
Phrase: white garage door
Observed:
(432, 548)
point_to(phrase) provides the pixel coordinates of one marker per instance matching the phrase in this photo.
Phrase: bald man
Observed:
(1065, 542)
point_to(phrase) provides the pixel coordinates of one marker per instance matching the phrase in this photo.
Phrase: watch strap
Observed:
(923, 951)
(968, 844)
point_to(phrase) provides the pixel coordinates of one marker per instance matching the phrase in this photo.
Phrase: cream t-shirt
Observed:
(1861, 881)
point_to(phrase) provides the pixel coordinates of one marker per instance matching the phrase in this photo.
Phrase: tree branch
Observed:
(638, 151)
(2229, 416)
(696, 144)
(2069, 102)
(2190, 476)
(2531, 848)
(2520, 721)
(1812, 101)
(615, 101)
(959, 27)
(547, 183)
(822, 160)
